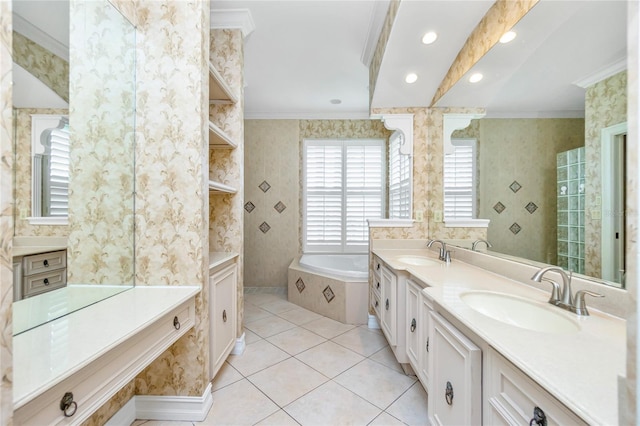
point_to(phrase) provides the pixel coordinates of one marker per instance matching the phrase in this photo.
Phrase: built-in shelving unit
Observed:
(218, 139)
(219, 90)
(221, 188)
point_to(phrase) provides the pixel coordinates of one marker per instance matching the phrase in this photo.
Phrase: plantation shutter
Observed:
(459, 180)
(399, 180)
(56, 173)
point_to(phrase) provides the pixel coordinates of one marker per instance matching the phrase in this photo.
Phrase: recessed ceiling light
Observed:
(411, 78)
(507, 37)
(335, 101)
(429, 37)
(475, 77)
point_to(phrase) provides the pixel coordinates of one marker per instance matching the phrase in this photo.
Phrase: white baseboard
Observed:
(176, 408)
(373, 322)
(240, 346)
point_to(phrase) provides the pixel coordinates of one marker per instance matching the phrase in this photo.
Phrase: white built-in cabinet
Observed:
(389, 305)
(223, 285)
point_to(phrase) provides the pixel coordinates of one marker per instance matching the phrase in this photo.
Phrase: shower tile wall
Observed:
(571, 190)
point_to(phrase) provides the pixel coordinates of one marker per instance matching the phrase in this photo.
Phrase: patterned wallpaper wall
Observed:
(102, 99)
(605, 105)
(6, 217)
(52, 70)
(23, 176)
(381, 45)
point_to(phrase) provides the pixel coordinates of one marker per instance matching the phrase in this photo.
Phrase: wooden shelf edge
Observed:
(221, 188)
(217, 85)
(219, 139)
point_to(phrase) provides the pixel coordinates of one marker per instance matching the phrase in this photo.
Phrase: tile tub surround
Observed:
(569, 366)
(350, 296)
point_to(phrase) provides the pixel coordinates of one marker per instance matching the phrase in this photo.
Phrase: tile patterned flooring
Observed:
(300, 368)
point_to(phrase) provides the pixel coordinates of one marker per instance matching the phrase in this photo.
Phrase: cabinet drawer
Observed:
(377, 266)
(375, 302)
(512, 396)
(44, 262)
(39, 283)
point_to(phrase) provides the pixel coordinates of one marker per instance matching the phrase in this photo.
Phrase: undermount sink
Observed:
(519, 312)
(417, 260)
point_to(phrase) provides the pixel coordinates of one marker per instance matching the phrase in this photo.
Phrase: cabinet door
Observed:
(455, 373)
(222, 315)
(423, 364)
(413, 322)
(388, 309)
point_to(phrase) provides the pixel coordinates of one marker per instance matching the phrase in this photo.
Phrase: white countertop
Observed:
(218, 258)
(24, 246)
(46, 355)
(580, 369)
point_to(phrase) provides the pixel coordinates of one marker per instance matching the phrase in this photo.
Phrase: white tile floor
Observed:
(302, 368)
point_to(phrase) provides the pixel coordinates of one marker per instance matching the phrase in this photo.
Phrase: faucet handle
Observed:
(555, 292)
(580, 307)
(447, 256)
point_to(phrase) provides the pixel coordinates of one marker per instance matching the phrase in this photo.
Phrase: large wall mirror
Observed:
(74, 118)
(551, 149)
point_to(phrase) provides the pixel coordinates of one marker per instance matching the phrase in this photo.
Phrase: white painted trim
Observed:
(453, 122)
(390, 223)
(125, 416)
(603, 73)
(373, 323)
(297, 115)
(233, 19)
(51, 220)
(536, 114)
(402, 123)
(185, 408)
(240, 346)
(466, 223)
(35, 34)
(376, 23)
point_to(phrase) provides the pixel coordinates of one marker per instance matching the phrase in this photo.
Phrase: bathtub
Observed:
(333, 285)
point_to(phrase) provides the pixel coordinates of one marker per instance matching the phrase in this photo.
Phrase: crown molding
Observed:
(40, 37)
(378, 15)
(233, 19)
(296, 115)
(536, 114)
(603, 73)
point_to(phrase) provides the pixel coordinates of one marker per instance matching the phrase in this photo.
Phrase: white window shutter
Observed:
(459, 180)
(56, 173)
(399, 180)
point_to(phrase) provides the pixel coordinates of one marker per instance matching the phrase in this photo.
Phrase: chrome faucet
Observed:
(478, 241)
(444, 254)
(564, 298)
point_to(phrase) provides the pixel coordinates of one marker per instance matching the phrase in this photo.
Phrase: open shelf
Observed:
(219, 139)
(220, 188)
(219, 90)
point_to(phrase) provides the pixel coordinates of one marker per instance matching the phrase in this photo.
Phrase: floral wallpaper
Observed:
(22, 182)
(119, 400)
(605, 105)
(38, 61)
(102, 101)
(6, 218)
(378, 54)
(500, 18)
(226, 219)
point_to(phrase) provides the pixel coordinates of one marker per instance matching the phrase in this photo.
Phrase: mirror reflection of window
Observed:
(399, 179)
(460, 179)
(51, 172)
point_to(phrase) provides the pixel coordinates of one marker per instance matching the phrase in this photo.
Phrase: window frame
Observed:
(473, 143)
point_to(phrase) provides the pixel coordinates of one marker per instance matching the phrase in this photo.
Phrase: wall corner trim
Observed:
(240, 346)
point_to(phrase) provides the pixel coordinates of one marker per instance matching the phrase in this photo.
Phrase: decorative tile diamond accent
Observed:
(515, 228)
(249, 206)
(531, 207)
(300, 285)
(280, 207)
(328, 294)
(499, 207)
(264, 186)
(264, 227)
(515, 186)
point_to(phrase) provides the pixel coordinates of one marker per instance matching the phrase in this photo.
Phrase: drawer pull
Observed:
(46, 281)
(176, 323)
(377, 303)
(224, 315)
(378, 286)
(46, 265)
(413, 325)
(539, 418)
(427, 344)
(378, 267)
(68, 405)
(448, 394)
(386, 305)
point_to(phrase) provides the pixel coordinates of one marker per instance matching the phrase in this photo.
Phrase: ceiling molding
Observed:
(378, 15)
(233, 19)
(296, 115)
(536, 114)
(601, 74)
(40, 37)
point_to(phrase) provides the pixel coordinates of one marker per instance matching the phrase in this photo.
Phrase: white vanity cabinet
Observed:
(43, 272)
(455, 363)
(223, 284)
(511, 397)
(389, 301)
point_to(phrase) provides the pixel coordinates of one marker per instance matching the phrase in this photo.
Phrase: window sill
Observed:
(55, 221)
(390, 223)
(466, 223)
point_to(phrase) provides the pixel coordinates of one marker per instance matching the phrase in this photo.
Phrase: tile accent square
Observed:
(249, 206)
(264, 186)
(280, 207)
(515, 186)
(300, 285)
(515, 228)
(328, 294)
(531, 207)
(264, 227)
(499, 207)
